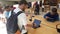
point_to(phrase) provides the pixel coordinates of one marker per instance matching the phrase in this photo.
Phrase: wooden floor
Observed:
(46, 27)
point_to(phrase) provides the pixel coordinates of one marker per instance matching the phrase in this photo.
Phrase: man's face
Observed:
(11, 8)
(8, 9)
(53, 13)
(23, 6)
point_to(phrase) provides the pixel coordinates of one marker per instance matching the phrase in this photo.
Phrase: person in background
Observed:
(3, 29)
(29, 4)
(40, 3)
(22, 19)
(7, 11)
(1, 9)
(52, 16)
(36, 8)
(11, 7)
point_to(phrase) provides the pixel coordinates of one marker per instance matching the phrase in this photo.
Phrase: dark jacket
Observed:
(54, 17)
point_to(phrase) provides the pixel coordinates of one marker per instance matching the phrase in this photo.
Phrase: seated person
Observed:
(52, 16)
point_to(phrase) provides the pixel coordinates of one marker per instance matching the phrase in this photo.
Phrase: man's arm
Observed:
(23, 19)
(46, 16)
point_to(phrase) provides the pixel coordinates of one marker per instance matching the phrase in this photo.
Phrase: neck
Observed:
(21, 8)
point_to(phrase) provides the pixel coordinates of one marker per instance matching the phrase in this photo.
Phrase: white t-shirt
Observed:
(22, 20)
(3, 29)
(59, 5)
(17, 10)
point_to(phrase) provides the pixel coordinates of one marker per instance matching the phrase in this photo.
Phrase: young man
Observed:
(22, 20)
(52, 16)
(8, 13)
(2, 22)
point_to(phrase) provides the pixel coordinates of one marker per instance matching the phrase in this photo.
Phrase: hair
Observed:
(54, 10)
(0, 5)
(6, 7)
(23, 2)
(1, 11)
(11, 6)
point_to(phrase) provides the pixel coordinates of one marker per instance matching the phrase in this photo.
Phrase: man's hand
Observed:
(47, 17)
(29, 25)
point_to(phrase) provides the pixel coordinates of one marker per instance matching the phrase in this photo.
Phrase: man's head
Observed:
(1, 9)
(11, 7)
(54, 11)
(23, 5)
(0, 6)
(7, 8)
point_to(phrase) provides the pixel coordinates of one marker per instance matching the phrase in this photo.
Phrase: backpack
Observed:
(12, 25)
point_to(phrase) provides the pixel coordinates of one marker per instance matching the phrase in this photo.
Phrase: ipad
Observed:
(37, 22)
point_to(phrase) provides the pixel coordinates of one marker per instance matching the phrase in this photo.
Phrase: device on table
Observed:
(36, 23)
(58, 28)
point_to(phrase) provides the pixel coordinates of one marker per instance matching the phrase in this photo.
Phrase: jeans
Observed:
(25, 33)
(8, 32)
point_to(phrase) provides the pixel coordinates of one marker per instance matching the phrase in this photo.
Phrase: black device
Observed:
(58, 29)
(36, 23)
(30, 19)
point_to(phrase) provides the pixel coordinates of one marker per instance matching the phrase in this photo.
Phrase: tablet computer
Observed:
(37, 23)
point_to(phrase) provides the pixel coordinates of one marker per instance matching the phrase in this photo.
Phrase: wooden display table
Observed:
(46, 27)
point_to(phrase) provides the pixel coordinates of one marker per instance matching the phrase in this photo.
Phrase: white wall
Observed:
(27, 0)
(32, 0)
(12, 0)
(3, 2)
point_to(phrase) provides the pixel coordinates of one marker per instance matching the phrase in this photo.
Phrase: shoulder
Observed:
(22, 15)
(16, 10)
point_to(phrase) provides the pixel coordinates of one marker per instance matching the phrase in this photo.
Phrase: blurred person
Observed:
(52, 16)
(40, 3)
(1, 9)
(3, 29)
(29, 4)
(8, 13)
(22, 20)
(11, 7)
(36, 8)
